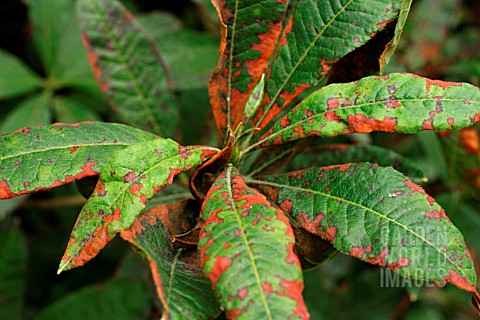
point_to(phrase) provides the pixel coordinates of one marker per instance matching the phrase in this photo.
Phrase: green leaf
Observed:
(15, 77)
(240, 234)
(128, 66)
(361, 62)
(37, 107)
(344, 153)
(159, 24)
(196, 111)
(33, 159)
(69, 110)
(402, 103)
(316, 36)
(127, 182)
(190, 55)
(13, 256)
(249, 32)
(392, 44)
(255, 98)
(377, 215)
(115, 299)
(181, 286)
(57, 38)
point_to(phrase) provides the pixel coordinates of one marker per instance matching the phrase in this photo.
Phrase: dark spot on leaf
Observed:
(129, 177)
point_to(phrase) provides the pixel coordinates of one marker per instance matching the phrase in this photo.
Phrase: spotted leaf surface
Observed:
(241, 232)
(40, 158)
(126, 183)
(180, 284)
(344, 153)
(403, 103)
(249, 32)
(127, 66)
(316, 36)
(378, 215)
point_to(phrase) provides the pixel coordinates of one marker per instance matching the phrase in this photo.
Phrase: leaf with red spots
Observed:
(344, 153)
(402, 103)
(41, 158)
(241, 233)
(180, 284)
(249, 32)
(127, 182)
(318, 34)
(378, 215)
(127, 66)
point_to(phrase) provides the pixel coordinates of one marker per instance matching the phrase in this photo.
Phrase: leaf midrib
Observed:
(68, 147)
(119, 195)
(379, 214)
(298, 123)
(135, 84)
(230, 65)
(304, 55)
(172, 274)
(245, 241)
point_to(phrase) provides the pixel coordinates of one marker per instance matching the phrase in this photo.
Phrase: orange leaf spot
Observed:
(220, 265)
(360, 124)
(440, 83)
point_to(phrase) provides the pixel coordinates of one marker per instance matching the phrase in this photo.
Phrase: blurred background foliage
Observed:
(45, 78)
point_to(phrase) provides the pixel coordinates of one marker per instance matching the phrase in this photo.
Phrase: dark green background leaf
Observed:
(128, 66)
(15, 77)
(13, 257)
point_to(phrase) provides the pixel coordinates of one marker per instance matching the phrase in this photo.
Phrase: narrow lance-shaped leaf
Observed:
(181, 286)
(317, 35)
(402, 103)
(240, 233)
(249, 32)
(33, 159)
(255, 98)
(392, 45)
(126, 184)
(128, 66)
(377, 215)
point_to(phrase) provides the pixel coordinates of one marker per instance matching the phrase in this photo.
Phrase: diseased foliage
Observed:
(238, 239)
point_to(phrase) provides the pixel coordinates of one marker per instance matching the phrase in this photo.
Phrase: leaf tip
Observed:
(61, 267)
